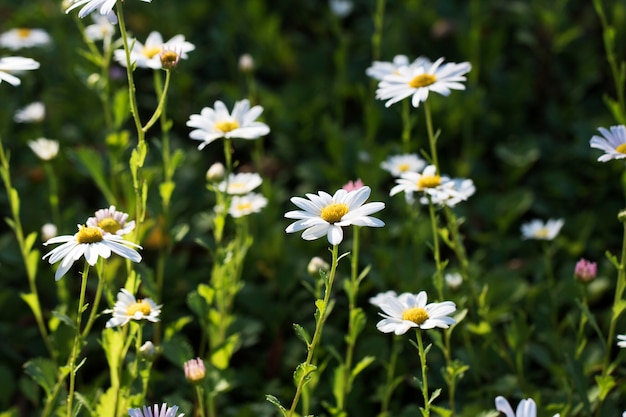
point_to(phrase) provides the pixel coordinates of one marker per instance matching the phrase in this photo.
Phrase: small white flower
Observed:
(246, 63)
(148, 54)
(24, 38)
(380, 69)
(32, 113)
(612, 142)
(462, 189)
(11, 64)
(341, 8)
(242, 205)
(165, 411)
(214, 123)
(128, 308)
(241, 183)
(399, 164)
(48, 231)
(379, 298)
(102, 27)
(91, 243)
(434, 186)
(45, 149)
(408, 311)
(106, 6)
(111, 221)
(621, 340)
(418, 81)
(536, 229)
(325, 215)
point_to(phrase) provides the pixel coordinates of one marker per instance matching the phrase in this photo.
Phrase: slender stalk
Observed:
(439, 281)
(200, 397)
(422, 355)
(406, 126)
(161, 106)
(432, 140)
(390, 376)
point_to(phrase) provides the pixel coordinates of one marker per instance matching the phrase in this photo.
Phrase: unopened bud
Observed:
(169, 58)
(195, 370)
(585, 270)
(454, 280)
(215, 172)
(315, 265)
(246, 63)
(621, 216)
(48, 231)
(148, 351)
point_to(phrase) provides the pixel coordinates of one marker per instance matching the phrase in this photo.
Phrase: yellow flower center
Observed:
(541, 233)
(109, 225)
(150, 51)
(334, 212)
(227, 125)
(236, 187)
(429, 181)
(142, 306)
(621, 148)
(416, 314)
(403, 167)
(244, 206)
(422, 80)
(88, 235)
(23, 33)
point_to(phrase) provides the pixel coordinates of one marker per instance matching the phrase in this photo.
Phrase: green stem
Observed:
(439, 281)
(161, 106)
(422, 355)
(391, 370)
(200, 397)
(432, 140)
(406, 126)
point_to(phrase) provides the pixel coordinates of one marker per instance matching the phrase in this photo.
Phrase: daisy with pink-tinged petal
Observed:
(111, 221)
(418, 81)
(154, 411)
(612, 142)
(325, 215)
(408, 311)
(214, 123)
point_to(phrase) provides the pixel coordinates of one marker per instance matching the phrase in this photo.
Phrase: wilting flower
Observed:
(128, 308)
(315, 265)
(379, 298)
(461, 190)
(418, 81)
(323, 214)
(111, 221)
(612, 142)
(536, 229)
(148, 54)
(165, 411)
(214, 123)
(11, 64)
(399, 164)
(436, 187)
(242, 205)
(24, 38)
(90, 242)
(353, 185)
(380, 69)
(195, 370)
(106, 6)
(34, 112)
(408, 311)
(45, 149)
(585, 270)
(241, 183)
(101, 29)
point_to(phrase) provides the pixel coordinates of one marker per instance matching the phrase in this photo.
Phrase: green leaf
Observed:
(302, 334)
(177, 350)
(434, 395)
(207, 293)
(618, 308)
(220, 357)
(121, 107)
(93, 162)
(113, 343)
(359, 367)
(481, 328)
(107, 401)
(64, 318)
(443, 412)
(33, 302)
(276, 402)
(303, 373)
(32, 263)
(29, 241)
(176, 327)
(165, 191)
(44, 372)
(605, 385)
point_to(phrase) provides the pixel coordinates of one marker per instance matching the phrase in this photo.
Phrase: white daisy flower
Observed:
(612, 142)
(45, 149)
(105, 6)
(462, 190)
(111, 221)
(19, 38)
(380, 69)
(90, 242)
(408, 311)
(148, 54)
(32, 113)
(102, 28)
(396, 165)
(165, 411)
(11, 64)
(241, 183)
(621, 340)
(325, 215)
(215, 123)
(418, 81)
(428, 182)
(536, 229)
(379, 298)
(128, 308)
(242, 205)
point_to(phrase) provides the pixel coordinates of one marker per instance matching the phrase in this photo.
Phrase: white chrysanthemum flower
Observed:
(242, 205)
(612, 142)
(341, 8)
(111, 221)
(325, 215)
(380, 69)
(396, 165)
(105, 6)
(621, 340)
(214, 123)
(19, 38)
(536, 229)
(418, 81)
(165, 411)
(408, 311)
(102, 28)
(11, 64)
(128, 308)
(148, 54)
(241, 183)
(45, 149)
(90, 242)
(462, 190)
(379, 298)
(434, 186)
(32, 113)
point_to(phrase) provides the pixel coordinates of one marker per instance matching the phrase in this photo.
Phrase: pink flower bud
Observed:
(585, 270)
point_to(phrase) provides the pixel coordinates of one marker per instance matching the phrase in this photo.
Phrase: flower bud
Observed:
(195, 370)
(48, 231)
(315, 264)
(148, 351)
(169, 58)
(454, 280)
(585, 270)
(621, 216)
(246, 63)
(353, 185)
(215, 172)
